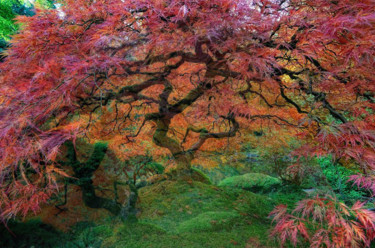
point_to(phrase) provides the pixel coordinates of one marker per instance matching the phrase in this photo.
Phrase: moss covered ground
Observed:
(171, 214)
(179, 214)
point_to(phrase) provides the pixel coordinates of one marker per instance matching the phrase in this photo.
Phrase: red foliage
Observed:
(325, 222)
(179, 73)
(365, 182)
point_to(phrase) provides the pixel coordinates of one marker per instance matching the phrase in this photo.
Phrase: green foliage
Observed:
(9, 9)
(288, 194)
(87, 234)
(337, 177)
(7, 25)
(256, 182)
(45, 3)
(209, 221)
(6, 10)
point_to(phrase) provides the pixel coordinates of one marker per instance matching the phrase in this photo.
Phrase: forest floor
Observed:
(171, 214)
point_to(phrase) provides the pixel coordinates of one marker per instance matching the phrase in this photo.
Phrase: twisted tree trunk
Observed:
(83, 173)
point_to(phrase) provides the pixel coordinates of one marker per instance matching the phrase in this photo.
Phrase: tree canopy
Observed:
(186, 75)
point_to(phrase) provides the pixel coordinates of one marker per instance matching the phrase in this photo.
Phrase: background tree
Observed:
(9, 9)
(186, 75)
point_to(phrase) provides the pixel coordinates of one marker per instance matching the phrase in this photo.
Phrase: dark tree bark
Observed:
(83, 173)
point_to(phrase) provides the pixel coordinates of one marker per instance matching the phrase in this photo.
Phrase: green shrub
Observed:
(337, 177)
(208, 221)
(256, 182)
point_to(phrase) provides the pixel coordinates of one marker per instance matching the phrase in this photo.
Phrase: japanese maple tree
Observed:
(186, 75)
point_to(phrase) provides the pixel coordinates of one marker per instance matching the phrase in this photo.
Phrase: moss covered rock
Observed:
(256, 182)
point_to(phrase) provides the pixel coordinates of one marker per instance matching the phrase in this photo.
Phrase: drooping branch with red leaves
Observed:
(324, 222)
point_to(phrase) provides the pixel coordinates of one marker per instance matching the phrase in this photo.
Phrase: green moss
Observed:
(134, 235)
(176, 214)
(142, 235)
(200, 176)
(171, 202)
(195, 215)
(256, 182)
(288, 194)
(179, 214)
(209, 221)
